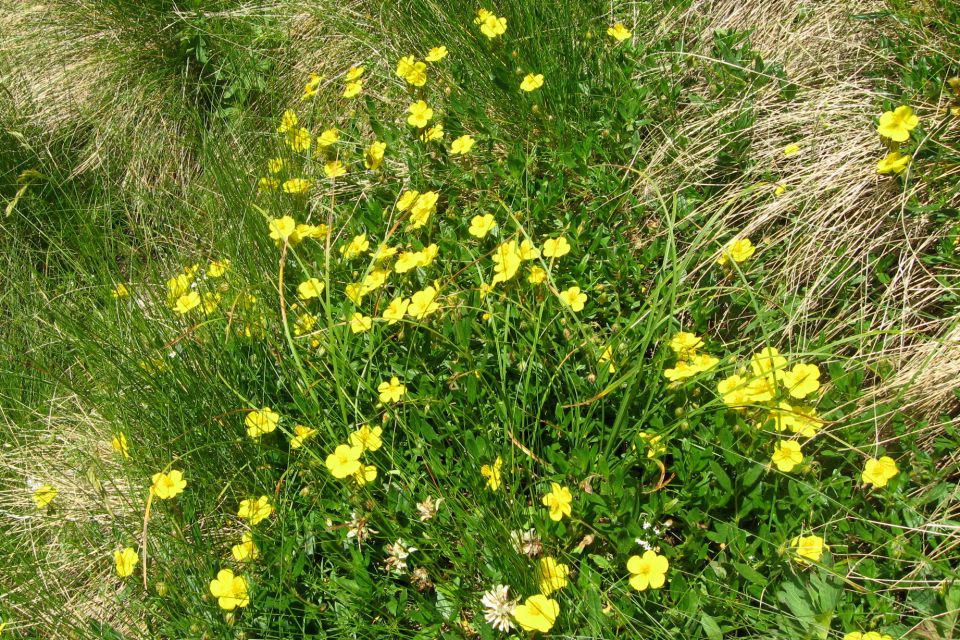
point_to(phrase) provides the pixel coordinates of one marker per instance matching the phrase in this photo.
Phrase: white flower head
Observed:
(499, 607)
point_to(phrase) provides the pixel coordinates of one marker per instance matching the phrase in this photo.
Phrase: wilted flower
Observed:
(359, 528)
(428, 508)
(398, 552)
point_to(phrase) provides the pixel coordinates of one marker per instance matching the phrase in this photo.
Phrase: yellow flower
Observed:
(492, 474)
(384, 252)
(733, 390)
(556, 247)
(619, 32)
(647, 571)
(506, 260)
(412, 70)
(480, 226)
(210, 302)
(396, 310)
(607, 357)
(532, 82)
(44, 495)
(894, 162)
(229, 590)
(680, 371)
(738, 251)
(787, 455)
(703, 362)
(354, 73)
(357, 246)
(119, 444)
(805, 421)
(808, 549)
(391, 391)
(367, 438)
(423, 303)
(791, 149)
(246, 550)
(462, 145)
(558, 501)
(528, 251)
(802, 380)
(354, 292)
(267, 184)
(879, 472)
(261, 422)
(406, 199)
(312, 288)
(655, 444)
(769, 363)
(418, 74)
(275, 165)
(538, 613)
(328, 137)
(168, 485)
(344, 461)
(296, 185)
(433, 133)
(187, 302)
(373, 281)
(428, 255)
(353, 89)
(365, 474)
(120, 291)
(685, 344)
(897, 124)
(436, 54)
(282, 228)
(869, 635)
(407, 260)
(301, 434)
(373, 156)
(303, 231)
(310, 89)
(288, 121)
(304, 324)
(493, 26)
(334, 168)
(573, 298)
(255, 511)
(779, 190)
(125, 560)
(360, 323)
(553, 575)
(421, 210)
(783, 416)
(537, 275)
(761, 390)
(298, 139)
(217, 268)
(420, 114)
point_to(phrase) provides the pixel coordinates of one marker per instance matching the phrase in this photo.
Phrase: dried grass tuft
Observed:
(820, 240)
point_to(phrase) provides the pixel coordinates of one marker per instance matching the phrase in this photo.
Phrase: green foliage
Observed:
(574, 397)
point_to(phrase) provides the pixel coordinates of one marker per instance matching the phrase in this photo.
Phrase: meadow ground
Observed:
(549, 318)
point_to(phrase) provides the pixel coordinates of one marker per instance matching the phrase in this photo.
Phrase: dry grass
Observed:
(61, 551)
(820, 240)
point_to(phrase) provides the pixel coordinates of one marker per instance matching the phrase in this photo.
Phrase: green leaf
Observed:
(710, 627)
